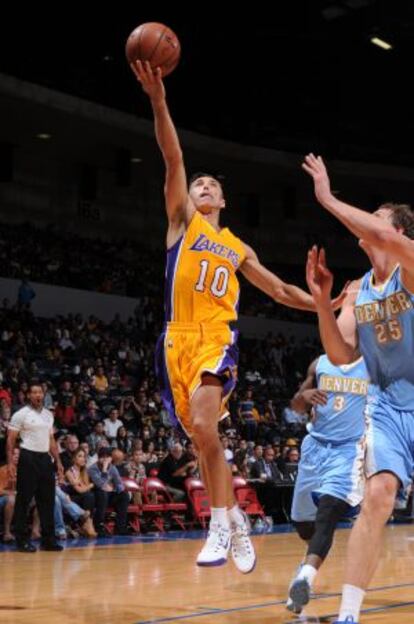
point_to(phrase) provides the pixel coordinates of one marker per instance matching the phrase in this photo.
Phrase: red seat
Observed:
(157, 501)
(246, 497)
(239, 482)
(198, 498)
(134, 510)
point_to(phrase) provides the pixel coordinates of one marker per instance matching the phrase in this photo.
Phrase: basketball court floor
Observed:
(152, 580)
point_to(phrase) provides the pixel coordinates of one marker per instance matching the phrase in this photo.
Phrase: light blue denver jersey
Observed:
(385, 319)
(342, 419)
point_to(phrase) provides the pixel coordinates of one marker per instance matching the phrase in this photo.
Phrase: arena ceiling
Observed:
(295, 75)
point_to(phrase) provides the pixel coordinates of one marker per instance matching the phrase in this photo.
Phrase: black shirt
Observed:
(167, 468)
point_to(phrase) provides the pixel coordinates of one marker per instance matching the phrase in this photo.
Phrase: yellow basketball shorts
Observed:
(184, 352)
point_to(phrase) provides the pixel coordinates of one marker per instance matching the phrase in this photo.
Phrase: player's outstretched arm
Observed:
(308, 394)
(368, 227)
(179, 209)
(338, 336)
(288, 294)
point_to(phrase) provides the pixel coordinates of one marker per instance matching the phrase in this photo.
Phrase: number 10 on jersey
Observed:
(219, 283)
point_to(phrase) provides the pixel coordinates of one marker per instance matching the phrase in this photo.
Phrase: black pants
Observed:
(86, 500)
(118, 500)
(35, 477)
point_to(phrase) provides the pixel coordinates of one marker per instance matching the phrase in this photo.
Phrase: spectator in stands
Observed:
(228, 428)
(146, 433)
(257, 454)
(293, 456)
(174, 470)
(65, 342)
(8, 497)
(100, 381)
(79, 485)
(89, 417)
(49, 403)
(190, 450)
(25, 294)
(109, 490)
(136, 467)
(81, 517)
(90, 459)
(160, 439)
(131, 414)
(118, 460)
(151, 456)
(114, 378)
(97, 436)
(5, 394)
(112, 424)
(246, 415)
(65, 407)
(123, 441)
(19, 400)
(240, 467)
(267, 475)
(71, 445)
(228, 453)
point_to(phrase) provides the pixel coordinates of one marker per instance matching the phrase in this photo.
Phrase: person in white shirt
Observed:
(112, 424)
(35, 470)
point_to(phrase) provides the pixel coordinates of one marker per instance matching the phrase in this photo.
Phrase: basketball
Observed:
(155, 43)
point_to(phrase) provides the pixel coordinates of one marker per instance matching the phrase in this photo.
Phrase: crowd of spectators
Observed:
(120, 266)
(99, 381)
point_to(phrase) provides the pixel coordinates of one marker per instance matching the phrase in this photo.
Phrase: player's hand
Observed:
(315, 396)
(318, 276)
(317, 170)
(150, 79)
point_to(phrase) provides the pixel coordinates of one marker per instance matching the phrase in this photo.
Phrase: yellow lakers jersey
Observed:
(201, 283)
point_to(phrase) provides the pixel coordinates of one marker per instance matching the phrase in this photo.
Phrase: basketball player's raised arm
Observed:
(368, 227)
(338, 336)
(179, 208)
(277, 289)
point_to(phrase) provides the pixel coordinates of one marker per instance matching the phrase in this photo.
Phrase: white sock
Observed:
(352, 598)
(307, 572)
(236, 515)
(219, 515)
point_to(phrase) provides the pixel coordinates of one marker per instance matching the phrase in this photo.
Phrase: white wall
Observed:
(52, 300)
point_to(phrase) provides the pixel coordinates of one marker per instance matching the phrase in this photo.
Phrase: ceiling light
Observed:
(44, 136)
(136, 160)
(381, 43)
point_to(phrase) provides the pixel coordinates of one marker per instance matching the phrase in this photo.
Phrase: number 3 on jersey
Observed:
(220, 280)
(339, 403)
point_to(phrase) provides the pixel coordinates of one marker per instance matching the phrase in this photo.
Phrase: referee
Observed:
(35, 470)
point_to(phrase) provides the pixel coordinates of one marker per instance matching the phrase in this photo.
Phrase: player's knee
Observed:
(380, 495)
(203, 431)
(330, 511)
(305, 530)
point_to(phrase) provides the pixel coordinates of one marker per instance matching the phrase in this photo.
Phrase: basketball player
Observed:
(197, 354)
(379, 323)
(330, 479)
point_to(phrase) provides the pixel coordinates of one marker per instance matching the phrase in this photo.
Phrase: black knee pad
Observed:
(305, 530)
(330, 511)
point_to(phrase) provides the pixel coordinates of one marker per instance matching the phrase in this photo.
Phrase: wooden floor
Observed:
(158, 582)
